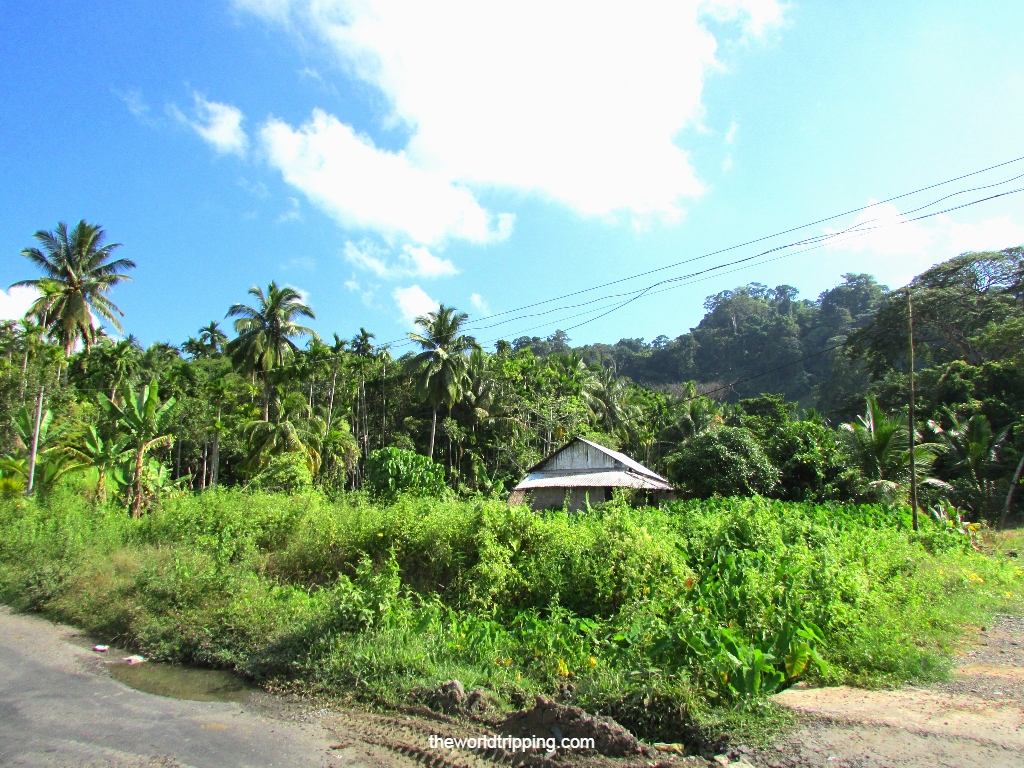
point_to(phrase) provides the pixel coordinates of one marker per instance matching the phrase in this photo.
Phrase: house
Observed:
(582, 471)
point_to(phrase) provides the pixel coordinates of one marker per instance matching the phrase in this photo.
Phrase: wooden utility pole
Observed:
(35, 443)
(910, 416)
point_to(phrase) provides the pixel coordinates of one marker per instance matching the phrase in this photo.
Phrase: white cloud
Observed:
(368, 188)
(988, 235)
(293, 213)
(730, 135)
(895, 249)
(15, 301)
(882, 229)
(220, 125)
(257, 188)
(365, 295)
(412, 261)
(478, 302)
(135, 103)
(413, 302)
(581, 103)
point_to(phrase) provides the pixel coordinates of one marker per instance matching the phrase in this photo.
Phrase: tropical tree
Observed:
(440, 369)
(146, 421)
(78, 271)
(104, 456)
(973, 447)
(212, 337)
(295, 430)
(265, 333)
(879, 444)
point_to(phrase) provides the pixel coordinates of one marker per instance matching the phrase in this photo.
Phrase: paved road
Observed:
(59, 708)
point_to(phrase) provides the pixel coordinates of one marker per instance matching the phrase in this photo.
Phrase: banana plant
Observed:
(103, 456)
(146, 421)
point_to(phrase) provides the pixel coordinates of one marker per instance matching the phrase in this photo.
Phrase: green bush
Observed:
(664, 618)
(391, 471)
(726, 461)
(285, 473)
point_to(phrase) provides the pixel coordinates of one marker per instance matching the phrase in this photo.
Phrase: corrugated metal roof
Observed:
(613, 478)
(635, 466)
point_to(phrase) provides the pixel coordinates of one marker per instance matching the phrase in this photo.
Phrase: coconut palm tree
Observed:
(77, 273)
(974, 447)
(212, 337)
(295, 430)
(265, 333)
(880, 446)
(440, 369)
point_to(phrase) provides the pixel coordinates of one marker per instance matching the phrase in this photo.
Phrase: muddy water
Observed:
(181, 682)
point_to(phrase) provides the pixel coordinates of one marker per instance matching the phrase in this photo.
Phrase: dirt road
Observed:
(59, 706)
(977, 719)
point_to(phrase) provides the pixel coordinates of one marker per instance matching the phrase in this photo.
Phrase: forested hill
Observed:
(825, 353)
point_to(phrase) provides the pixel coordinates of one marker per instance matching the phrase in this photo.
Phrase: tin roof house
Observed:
(582, 471)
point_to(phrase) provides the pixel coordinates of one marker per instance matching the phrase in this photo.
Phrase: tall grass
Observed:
(658, 617)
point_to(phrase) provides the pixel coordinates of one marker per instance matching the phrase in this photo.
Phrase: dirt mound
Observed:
(549, 719)
(451, 699)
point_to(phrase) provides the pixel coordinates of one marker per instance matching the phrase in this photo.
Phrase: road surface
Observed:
(59, 708)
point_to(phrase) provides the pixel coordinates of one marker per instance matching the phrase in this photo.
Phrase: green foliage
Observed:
(660, 617)
(726, 461)
(391, 471)
(284, 473)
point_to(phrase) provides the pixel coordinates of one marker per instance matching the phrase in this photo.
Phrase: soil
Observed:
(975, 719)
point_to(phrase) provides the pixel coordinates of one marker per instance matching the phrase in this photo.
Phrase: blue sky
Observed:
(382, 157)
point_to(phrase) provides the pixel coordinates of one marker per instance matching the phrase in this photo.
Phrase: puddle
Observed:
(181, 682)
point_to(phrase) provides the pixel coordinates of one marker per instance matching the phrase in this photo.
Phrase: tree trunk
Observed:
(202, 475)
(215, 469)
(330, 405)
(266, 397)
(1009, 495)
(137, 486)
(433, 430)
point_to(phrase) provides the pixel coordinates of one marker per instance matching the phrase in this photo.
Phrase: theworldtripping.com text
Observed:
(510, 743)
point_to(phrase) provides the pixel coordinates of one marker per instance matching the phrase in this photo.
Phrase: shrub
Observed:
(726, 461)
(660, 617)
(286, 473)
(391, 471)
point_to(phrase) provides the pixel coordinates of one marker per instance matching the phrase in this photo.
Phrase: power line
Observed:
(769, 237)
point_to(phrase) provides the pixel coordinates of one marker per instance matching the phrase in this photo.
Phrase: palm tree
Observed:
(880, 446)
(146, 421)
(974, 447)
(611, 400)
(77, 271)
(295, 430)
(265, 333)
(440, 368)
(212, 337)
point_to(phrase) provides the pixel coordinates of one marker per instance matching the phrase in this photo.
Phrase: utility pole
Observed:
(35, 443)
(910, 416)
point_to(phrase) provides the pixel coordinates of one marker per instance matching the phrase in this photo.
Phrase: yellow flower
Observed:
(563, 670)
(593, 659)
(1008, 594)
(380, 535)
